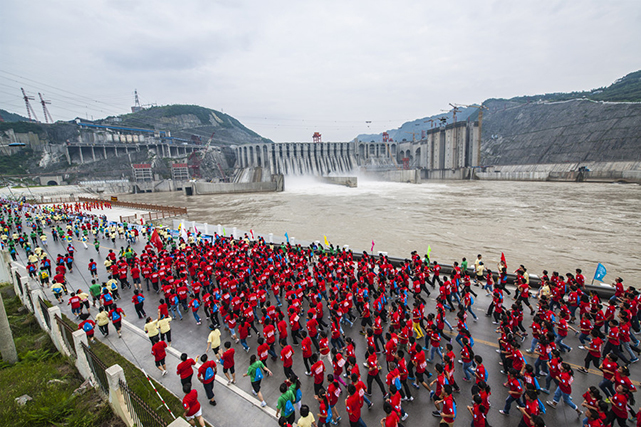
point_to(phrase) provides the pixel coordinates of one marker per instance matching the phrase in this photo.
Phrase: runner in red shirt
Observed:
(392, 419)
(353, 405)
(287, 356)
(306, 348)
(158, 350)
(184, 368)
(318, 371)
(207, 376)
(228, 363)
(193, 412)
(531, 408)
(373, 369)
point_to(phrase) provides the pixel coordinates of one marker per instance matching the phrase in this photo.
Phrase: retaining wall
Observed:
(201, 188)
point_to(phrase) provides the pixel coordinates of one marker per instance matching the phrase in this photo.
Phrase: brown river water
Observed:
(543, 225)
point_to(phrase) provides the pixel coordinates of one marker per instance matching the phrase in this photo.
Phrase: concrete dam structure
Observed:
(448, 152)
(257, 162)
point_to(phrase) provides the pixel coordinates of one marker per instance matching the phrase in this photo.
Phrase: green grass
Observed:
(39, 362)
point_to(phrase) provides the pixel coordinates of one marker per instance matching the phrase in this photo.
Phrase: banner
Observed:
(600, 272)
(155, 240)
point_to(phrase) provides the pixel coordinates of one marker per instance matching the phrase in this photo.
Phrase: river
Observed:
(544, 225)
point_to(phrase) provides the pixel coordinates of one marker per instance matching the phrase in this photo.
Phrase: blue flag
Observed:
(600, 272)
(287, 237)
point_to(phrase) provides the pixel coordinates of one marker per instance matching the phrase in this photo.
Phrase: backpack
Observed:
(115, 316)
(209, 373)
(87, 327)
(196, 304)
(140, 299)
(258, 375)
(397, 383)
(107, 297)
(541, 406)
(289, 409)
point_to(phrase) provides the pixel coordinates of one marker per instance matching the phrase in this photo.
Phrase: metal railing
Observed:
(67, 335)
(143, 206)
(45, 312)
(149, 216)
(142, 414)
(50, 199)
(98, 368)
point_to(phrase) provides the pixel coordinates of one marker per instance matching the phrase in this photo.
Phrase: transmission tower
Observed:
(44, 108)
(137, 107)
(30, 112)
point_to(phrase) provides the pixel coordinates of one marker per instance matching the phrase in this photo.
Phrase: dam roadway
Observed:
(237, 407)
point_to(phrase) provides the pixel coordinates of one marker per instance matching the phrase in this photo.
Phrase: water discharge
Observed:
(551, 225)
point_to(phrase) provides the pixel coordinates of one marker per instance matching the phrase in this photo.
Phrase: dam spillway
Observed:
(258, 162)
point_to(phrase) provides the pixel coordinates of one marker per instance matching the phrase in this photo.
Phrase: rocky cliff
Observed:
(572, 131)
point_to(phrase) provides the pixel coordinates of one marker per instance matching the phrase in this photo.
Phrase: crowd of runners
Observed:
(293, 302)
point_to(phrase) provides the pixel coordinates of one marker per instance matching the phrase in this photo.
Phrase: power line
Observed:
(57, 88)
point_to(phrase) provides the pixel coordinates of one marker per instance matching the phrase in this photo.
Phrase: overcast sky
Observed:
(288, 68)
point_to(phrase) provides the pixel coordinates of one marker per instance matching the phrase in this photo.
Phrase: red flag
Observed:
(252, 233)
(503, 258)
(155, 240)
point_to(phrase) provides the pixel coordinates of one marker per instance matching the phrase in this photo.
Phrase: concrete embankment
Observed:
(410, 176)
(572, 172)
(347, 181)
(201, 188)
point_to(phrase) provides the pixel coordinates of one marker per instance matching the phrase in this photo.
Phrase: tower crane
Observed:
(413, 135)
(455, 109)
(431, 122)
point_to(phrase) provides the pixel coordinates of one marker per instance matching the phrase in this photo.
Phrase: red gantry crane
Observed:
(48, 118)
(30, 112)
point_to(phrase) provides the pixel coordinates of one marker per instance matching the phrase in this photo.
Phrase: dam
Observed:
(447, 152)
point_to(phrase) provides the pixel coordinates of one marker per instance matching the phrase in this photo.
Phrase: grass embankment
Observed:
(136, 380)
(52, 404)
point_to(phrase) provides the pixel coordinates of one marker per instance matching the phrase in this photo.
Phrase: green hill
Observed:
(190, 122)
(11, 117)
(625, 89)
